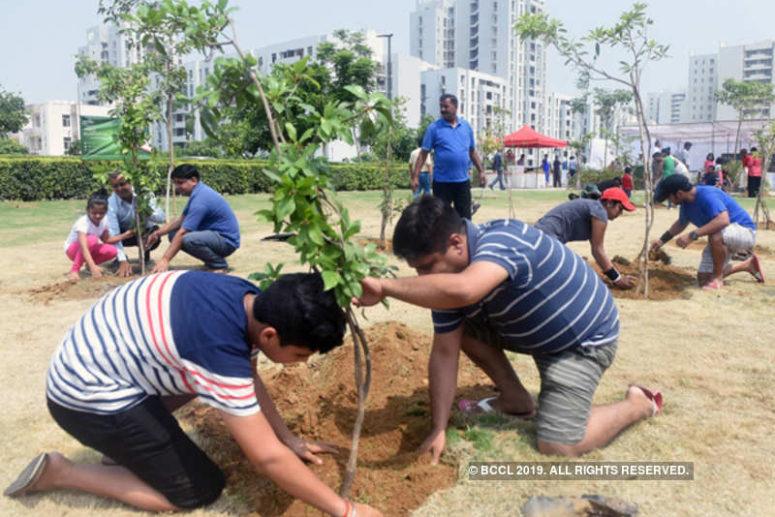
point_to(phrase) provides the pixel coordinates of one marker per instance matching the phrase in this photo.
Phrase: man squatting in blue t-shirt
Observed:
(207, 229)
(501, 286)
(729, 228)
(152, 345)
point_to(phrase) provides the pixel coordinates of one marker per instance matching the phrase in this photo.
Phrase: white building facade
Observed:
(558, 116)
(751, 62)
(481, 97)
(54, 125)
(665, 107)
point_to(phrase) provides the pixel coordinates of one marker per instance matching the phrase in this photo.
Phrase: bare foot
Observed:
(646, 406)
(73, 276)
(56, 468)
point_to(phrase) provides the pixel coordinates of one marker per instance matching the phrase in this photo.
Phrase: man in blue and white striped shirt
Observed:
(501, 286)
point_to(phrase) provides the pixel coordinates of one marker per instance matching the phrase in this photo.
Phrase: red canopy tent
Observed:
(527, 137)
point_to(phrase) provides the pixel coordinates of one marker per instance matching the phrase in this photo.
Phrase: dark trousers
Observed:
(754, 182)
(456, 194)
(557, 179)
(132, 241)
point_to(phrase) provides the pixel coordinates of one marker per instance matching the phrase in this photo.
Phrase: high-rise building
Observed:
(703, 82)
(558, 116)
(479, 35)
(751, 62)
(665, 107)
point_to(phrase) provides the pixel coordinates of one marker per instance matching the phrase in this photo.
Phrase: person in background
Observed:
(426, 172)
(683, 155)
(754, 172)
(546, 168)
(121, 218)
(573, 167)
(627, 181)
(587, 220)
(557, 172)
(729, 228)
(452, 140)
(745, 158)
(497, 168)
(83, 243)
(710, 163)
(207, 229)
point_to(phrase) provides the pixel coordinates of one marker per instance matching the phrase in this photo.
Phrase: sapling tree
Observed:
(134, 105)
(748, 98)
(304, 202)
(607, 104)
(629, 35)
(765, 137)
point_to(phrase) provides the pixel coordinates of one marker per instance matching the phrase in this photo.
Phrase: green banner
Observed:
(98, 137)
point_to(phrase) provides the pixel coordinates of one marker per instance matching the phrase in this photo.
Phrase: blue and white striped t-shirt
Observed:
(167, 334)
(552, 300)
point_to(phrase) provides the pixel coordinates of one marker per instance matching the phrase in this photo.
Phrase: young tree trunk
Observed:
(387, 193)
(362, 358)
(140, 241)
(170, 106)
(645, 139)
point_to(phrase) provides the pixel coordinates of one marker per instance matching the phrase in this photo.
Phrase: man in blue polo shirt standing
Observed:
(452, 139)
(729, 228)
(501, 286)
(207, 228)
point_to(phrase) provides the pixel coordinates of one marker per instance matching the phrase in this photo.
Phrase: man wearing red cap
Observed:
(587, 220)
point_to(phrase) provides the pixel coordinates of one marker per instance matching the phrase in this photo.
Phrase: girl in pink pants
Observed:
(83, 244)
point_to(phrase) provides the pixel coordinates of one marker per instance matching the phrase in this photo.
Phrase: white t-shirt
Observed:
(85, 225)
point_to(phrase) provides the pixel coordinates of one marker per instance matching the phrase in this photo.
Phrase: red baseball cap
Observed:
(617, 194)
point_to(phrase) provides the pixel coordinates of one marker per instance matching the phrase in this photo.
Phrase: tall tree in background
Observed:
(13, 114)
(748, 98)
(628, 36)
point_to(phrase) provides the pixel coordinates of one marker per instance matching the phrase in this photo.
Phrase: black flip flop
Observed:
(28, 477)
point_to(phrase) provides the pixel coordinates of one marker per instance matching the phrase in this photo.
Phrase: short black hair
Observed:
(449, 96)
(302, 313)
(627, 169)
(656, 155)
(425, 227)
(185, 171)
(98, 198)
(671, 185)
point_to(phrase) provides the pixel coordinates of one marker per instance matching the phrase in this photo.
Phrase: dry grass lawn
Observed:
(711, 354)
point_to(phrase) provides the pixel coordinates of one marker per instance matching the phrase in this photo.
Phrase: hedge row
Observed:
(29, 178)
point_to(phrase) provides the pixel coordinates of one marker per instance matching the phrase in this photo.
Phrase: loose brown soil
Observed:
(766, 225)
(86, 288)
(761, 250)
(318, 402)
(665, 282)
(385, 246)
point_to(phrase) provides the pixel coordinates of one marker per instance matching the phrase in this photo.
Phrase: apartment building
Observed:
(54, 125)
(479, 35)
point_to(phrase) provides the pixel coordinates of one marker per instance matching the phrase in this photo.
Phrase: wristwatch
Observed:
(693, 235)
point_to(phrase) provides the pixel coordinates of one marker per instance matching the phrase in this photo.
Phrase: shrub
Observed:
(31, 178)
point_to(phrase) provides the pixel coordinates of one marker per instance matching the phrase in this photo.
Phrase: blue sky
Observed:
(40, 37)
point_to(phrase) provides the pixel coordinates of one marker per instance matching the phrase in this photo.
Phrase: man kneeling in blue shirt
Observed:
(729, 228)
(207, 229)
(501, 286)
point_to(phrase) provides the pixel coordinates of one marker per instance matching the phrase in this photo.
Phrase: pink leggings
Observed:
(99, 252)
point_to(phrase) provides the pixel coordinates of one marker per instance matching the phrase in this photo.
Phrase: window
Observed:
(67, 142)
(65, 122)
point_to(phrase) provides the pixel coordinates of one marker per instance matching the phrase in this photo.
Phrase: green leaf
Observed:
(291, 131)
(331, 279)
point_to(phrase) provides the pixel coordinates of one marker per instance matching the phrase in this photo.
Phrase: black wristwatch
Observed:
(693, 235)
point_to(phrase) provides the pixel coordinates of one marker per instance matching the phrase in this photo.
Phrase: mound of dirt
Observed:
(86, 288)
(318, 401)
(385, 246)
(665, 282)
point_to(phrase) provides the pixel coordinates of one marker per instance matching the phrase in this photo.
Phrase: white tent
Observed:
(706, 137)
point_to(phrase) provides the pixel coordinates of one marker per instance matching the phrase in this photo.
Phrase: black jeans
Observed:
(754, 182)
(147, 440)
(132, 241)
(456, 194)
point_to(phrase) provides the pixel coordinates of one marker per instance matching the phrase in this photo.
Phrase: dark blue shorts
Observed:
(147, 440)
